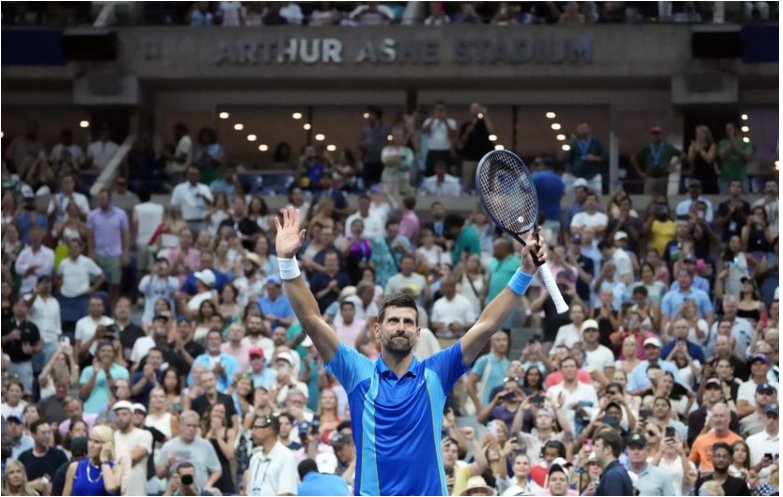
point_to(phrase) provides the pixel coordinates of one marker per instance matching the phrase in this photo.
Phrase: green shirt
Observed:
(500, 274)
(656, 159)
(467, 241)
(734, 167)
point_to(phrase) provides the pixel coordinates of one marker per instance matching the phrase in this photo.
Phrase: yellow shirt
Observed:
(461, 477)
(661, 233)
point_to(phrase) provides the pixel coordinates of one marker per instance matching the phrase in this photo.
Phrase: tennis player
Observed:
(396, 402)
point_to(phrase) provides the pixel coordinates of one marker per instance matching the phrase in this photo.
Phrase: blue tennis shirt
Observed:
(397, 421)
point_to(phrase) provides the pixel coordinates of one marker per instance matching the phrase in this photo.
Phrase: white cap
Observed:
(139, 407)
(326, 462)
(206, 276)
(653, 341)
(122, 404)
(285, 356)
(581, 182)
(620, 235)
(590, 323)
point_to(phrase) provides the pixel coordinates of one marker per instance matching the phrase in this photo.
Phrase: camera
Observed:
(187, 480)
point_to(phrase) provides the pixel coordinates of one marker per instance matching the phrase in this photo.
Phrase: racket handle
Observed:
(552, 288)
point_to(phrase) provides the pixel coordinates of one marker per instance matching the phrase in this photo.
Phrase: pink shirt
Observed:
(569, 492)
(409, 228)
(556, 378)
(192, 259)
(241, 354)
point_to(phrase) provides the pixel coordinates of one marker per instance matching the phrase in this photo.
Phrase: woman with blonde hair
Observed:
(214, 429)
(328, 411)
(97, 474)
(701, 157)
(159, 417)
(15, 480)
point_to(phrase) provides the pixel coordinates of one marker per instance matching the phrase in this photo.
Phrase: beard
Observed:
(399, 348)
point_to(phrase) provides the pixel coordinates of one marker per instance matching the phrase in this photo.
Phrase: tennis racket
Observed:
(509, 196)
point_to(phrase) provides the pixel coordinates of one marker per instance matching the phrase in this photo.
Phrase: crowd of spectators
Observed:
(237, 13)
(149, 349)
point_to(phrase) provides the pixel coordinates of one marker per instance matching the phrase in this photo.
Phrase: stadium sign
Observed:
(460, 51)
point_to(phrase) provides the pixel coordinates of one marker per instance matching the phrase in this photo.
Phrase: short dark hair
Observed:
(715, 446)
(376, 111)
(569, 358)
(640, 290)
(454, 220)
(611, 438)
(409, 201)
(398, 300)
(605, 244)
(554, 444)
(185, 465)
(307, 466)
(347, 302)
(35, 424)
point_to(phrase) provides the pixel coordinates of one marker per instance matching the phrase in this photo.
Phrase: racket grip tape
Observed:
(554, 291)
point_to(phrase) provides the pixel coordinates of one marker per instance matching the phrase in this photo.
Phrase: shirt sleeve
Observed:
(479, 365)
(85, 376)
(449, 365)
(349, 367)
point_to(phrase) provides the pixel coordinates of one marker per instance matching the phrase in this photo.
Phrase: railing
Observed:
(108, 174)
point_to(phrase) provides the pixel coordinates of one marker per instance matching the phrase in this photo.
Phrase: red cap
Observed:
(257, 351)
(656, 129)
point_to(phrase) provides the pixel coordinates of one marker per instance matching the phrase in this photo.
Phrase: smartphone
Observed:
(315, 424)
(609, 420)
(302, 429)
(669, 432)
(507, 396)
(65, 340)
(589, 444)
(537, 400)
(585, 403)
(768, 455)
(493, 429)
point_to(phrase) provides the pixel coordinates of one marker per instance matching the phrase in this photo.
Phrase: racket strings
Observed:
(509, 193)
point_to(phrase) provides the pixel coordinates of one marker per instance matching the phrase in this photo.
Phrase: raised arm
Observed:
(501, 307)
(289, 240)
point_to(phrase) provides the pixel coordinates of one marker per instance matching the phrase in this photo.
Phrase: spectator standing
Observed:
(590, 218)
(67, 150)
(34, 261)
(97, 474)
(29, 217)
(466, 239)
(584, 160)
(409, 223)
(145, 218)
(652, 480)
(766, 443)
(474, 140)
(188, 447)
(101, 151)
(157, 285)
(108, 241)
(208, 156)
(90, 330)
(702, 448)
(441, 130)
(21, 341)
(272, 469)
(326, 285)
(733, 212)
(608, 446)
(406, 278)
(193, 198)
(179, 161)
(452, 314)
(441, 183)
(654, 162)
(18, 440)
(734, 152)
(702, 154)
(133, 446)
(771, 205)
(722, 453)
(44, 312)
(372, 139)
(373, 226)
(580, 399)
(550, 188)
(58, 204)
(23, 147)
(694, 196)
(488, 371)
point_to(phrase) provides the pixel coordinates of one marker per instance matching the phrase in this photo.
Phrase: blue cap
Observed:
(758, 357)
(765, 386)
(275, 280)
(771, 408)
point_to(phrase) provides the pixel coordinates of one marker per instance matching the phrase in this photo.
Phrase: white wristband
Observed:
(289, 268)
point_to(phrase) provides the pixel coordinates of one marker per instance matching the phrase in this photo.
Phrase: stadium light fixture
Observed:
(566, 147)
(551, 115)
(297, 115)
(493, 138)
(561, 137)
(556, 126)
(223, 115)
(320, 137)
(746, 139)
(777, 165)
(366, 115)
(251, 138)
(480, 115)
(331, 148)
(744, 117)
(263, 147)
(2, 134)
(84, 124)
(306, 126)
(389, 137)
(745, 129)
(499, 147)
(239, 126)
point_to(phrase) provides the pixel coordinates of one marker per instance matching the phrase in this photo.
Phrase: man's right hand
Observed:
(289, 235)
(175, 483)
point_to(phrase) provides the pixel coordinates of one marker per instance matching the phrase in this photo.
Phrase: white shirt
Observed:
(266, 344)
(361, 313)
(45, 314)
(763, 443)
(274, 474)
(85, 329)
(184, 146)
(292, 13)
(585, 220)
(427, 346)
(75, 151)
(439, 133)
(583, 392)
(685, 206)
(773, 213)
(459, 309)
(567, 335)
(141, 347)
(195, 302)
(622, 263)
(600, 358)
(44, 258)
(450, 187)
(381, 211)
(230, 13)
(747, 391)
(77, 275)
(154, 288)
(149, 216)
(101, 153)
(193, 208)
(372, 225)
(134, 477)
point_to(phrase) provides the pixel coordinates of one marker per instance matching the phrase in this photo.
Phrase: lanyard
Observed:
(584, 148)
(656, 155)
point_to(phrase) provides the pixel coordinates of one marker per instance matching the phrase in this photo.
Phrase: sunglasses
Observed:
(613, 392)
(652, 433)
(258, 427)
